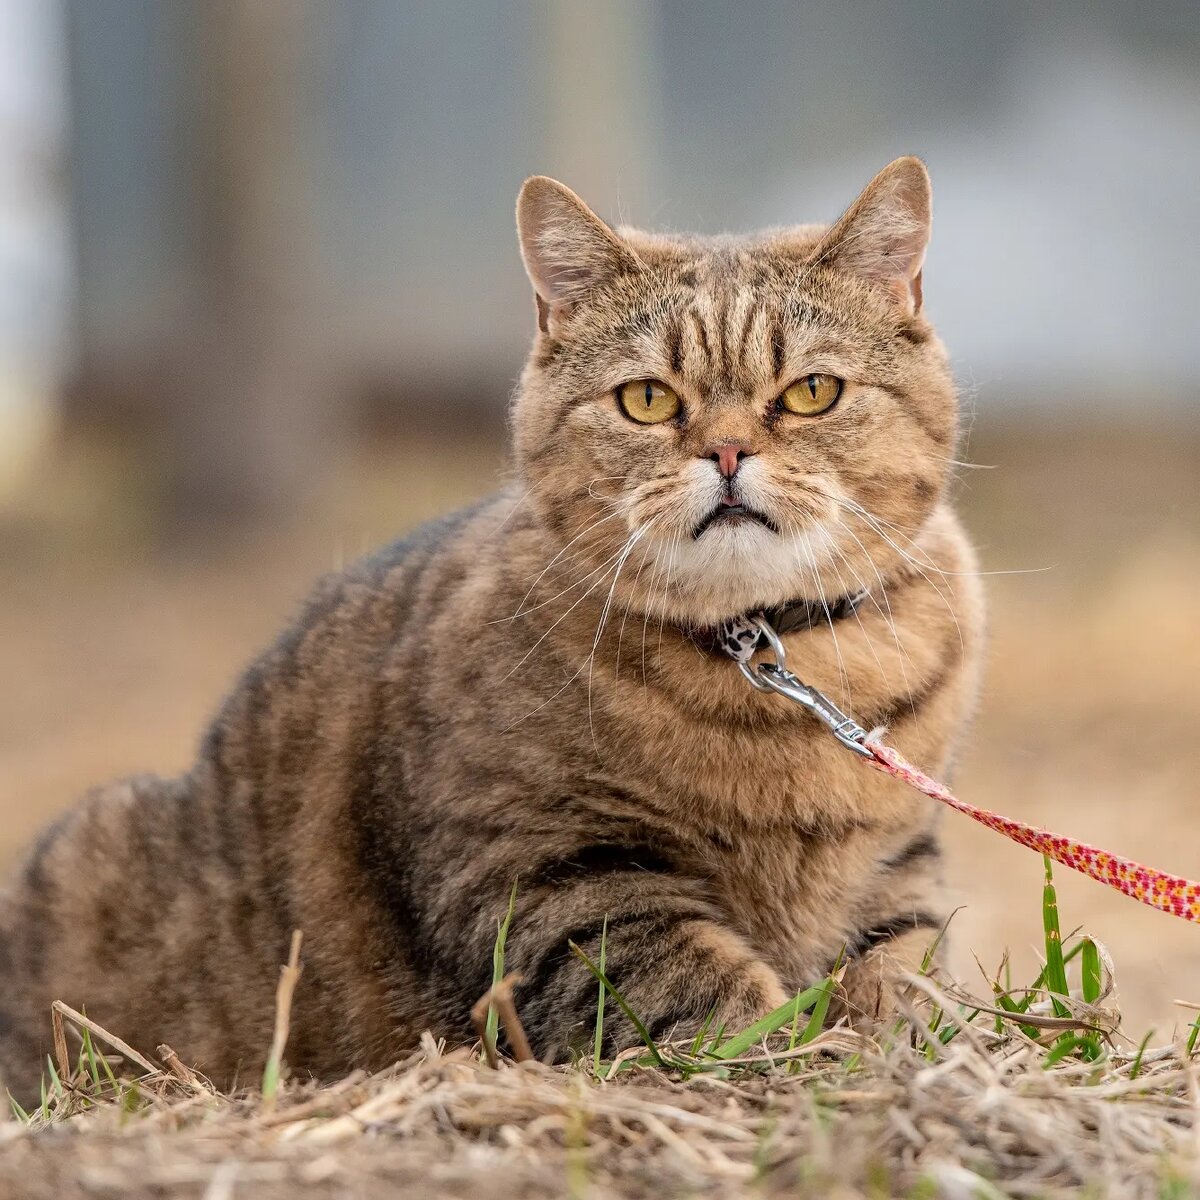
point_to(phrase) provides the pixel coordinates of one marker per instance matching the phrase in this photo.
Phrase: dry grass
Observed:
(1031, 1092)
(960, 1105)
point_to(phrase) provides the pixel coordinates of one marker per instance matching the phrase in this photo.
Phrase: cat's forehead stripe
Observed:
(674, 340)
(752, 309)
(724, 345)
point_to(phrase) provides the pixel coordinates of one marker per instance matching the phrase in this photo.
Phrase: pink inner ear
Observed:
(567, 248)
(907, 291)
(883, 234)
(550, 311)
(543, 312)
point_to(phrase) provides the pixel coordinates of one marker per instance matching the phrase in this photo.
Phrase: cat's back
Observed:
(372, 611)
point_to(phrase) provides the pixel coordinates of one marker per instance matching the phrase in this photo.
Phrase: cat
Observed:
(531, 692)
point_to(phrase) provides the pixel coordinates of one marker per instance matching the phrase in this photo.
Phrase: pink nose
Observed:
(728, 456)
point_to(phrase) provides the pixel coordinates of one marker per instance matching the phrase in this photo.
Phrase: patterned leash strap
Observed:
(1168, 893)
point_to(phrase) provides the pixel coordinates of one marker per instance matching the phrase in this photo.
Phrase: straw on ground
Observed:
(1031, 1091)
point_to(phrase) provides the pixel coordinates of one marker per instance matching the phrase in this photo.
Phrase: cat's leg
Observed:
(666, 950)
(907, 912)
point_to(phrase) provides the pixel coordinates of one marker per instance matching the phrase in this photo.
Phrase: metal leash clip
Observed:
(775, 677)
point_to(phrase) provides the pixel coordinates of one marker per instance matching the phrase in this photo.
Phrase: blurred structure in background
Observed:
(34, 249)
(287, 217)
(261, 308)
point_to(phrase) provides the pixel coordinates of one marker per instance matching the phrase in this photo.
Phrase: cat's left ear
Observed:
(883, 235)
(567, 249)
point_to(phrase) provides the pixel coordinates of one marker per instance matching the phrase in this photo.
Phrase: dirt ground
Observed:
(116, 645)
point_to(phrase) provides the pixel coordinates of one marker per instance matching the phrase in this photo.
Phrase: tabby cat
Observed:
(532, 690)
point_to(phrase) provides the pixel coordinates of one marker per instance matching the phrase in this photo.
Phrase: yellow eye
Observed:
(647, 401)
(811, 395)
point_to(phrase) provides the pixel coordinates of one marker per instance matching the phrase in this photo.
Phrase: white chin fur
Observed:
(735, 567)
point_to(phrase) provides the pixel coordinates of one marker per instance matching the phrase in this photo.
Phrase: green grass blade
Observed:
(89, 1052)
(1017, 1008)
(1056, 968)
(934, 946)
(106, 1067)
(816, 1021)
(18, 1111)
(1092, 983)
(1067, 1044)
(715, 1041)
(56, 1086)
(81, 1066)
(98, 1062)
(1135, 1070)
(951, 1029)
(637, 1022)
(785, 1014)
(270, 1079)
(702, 1032)
(492, 1026)
(599, 1036)
(794, 1037)
(1039, 983)
(1193, 1034)
(131, 1098)
(1091, 974)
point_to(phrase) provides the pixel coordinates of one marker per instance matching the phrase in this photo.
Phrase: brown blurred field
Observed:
(117, 644)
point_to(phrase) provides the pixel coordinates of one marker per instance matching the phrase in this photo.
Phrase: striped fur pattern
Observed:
(510, 694)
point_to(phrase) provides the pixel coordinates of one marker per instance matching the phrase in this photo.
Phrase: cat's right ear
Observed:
(567, 248)
(882, 236)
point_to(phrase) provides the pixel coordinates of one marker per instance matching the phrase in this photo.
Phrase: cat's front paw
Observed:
(874, 986)
(869, 993)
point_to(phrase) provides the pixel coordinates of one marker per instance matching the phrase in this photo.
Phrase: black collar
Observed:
(804, 614)
(739, 636)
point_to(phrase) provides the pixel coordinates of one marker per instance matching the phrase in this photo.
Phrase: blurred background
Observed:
(261, 309)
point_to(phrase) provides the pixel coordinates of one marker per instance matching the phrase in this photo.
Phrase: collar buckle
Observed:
(775, 677)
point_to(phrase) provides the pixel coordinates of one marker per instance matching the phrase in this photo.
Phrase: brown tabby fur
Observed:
(491, 699)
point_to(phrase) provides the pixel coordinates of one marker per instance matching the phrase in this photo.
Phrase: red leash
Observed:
(1168, 893)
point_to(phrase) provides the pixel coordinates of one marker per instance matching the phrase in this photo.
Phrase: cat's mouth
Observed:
(733, 512)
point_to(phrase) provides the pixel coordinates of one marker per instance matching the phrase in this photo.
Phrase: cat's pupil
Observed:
(649, 396)
(812, 385)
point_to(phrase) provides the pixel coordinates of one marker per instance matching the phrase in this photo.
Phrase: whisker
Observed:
(843, 676)
(627, 550)
(649, 606)
(662, 617)
(561, 552)
(599, 583)
(920, 571)
(854, 506)
(549, 699)
(603, 567)
(621, 554)
(625, 618)
(603, 479)
(887, 614)
(512, 512)
(860, 587)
